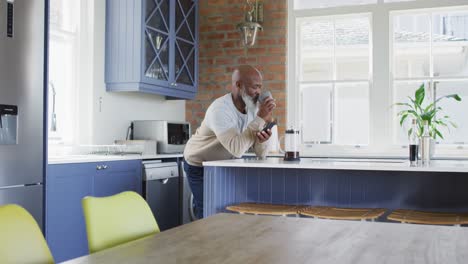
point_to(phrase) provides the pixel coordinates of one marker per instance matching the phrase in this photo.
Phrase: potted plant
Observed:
(417, 109)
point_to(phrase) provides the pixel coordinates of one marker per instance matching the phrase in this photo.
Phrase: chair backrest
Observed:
(21, 239)
(117, 219)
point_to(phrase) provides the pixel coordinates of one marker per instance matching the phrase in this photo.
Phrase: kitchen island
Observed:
(391, 184)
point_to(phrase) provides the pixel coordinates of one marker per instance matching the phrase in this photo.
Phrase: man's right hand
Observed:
(266, 109)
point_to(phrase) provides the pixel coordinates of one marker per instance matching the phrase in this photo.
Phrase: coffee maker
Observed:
(291, 144)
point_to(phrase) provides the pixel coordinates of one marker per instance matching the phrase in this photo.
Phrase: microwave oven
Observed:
(171, 136)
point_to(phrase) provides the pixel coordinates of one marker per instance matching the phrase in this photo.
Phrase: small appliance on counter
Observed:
(171, 136)
(291, 142)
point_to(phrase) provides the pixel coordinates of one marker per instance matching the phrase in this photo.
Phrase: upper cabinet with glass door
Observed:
(185, 73)
(152, 47)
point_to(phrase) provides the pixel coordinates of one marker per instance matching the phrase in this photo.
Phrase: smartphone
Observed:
(269, 126)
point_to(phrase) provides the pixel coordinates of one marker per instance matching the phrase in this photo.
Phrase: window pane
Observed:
(316, 50)
(61, 82)
(401, 92)
(352, 48)
(351, 114)
(308, 4)
(411, 38)
(63, 68)
(456, 110)
(316, 113)
(450, 48)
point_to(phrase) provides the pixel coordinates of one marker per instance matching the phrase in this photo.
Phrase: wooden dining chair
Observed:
(326, 212)
(117, 219)
(21, 239)
(428, 218)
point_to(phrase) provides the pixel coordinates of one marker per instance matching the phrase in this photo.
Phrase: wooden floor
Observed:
(233, 238)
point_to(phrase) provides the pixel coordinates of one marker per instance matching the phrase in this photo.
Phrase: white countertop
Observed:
(103, 158)
(344, 164)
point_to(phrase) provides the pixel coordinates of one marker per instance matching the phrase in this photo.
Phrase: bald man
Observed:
(233, 123)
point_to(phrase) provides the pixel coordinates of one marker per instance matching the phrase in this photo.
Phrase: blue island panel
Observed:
(342, 188)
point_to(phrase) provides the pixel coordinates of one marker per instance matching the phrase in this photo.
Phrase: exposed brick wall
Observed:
(220, 51)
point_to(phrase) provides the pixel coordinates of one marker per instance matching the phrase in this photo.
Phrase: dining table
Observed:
(235, 238)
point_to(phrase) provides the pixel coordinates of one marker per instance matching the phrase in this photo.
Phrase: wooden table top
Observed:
(232, 238)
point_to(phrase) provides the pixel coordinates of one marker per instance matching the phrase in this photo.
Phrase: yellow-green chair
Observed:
(117, 219)
(21, 239)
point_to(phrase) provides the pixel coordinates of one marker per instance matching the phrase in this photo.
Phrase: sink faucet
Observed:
(53, 125)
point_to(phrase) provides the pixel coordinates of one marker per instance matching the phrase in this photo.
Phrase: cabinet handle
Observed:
(101, 167)
(175, 84)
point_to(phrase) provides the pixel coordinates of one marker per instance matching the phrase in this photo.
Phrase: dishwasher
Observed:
(161, 191)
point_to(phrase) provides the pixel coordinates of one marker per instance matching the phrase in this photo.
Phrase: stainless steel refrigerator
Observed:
(22, 64)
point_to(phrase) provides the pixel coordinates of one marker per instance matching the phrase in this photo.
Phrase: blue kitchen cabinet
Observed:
(67, 185)
(152, 47)
(118, 176)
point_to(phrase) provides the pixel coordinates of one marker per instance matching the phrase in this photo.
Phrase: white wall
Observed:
(110, 121)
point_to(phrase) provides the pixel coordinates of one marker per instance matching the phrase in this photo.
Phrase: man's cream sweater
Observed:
(225, 133)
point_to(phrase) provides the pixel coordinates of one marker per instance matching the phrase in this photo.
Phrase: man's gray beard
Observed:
(249, 103)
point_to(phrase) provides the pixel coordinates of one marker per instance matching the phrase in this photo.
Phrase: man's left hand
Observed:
(263, 136)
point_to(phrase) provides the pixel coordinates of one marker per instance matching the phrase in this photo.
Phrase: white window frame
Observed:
(380, 93)
(83, 78)
(431, 78)
(71, 37)
(334, 80)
